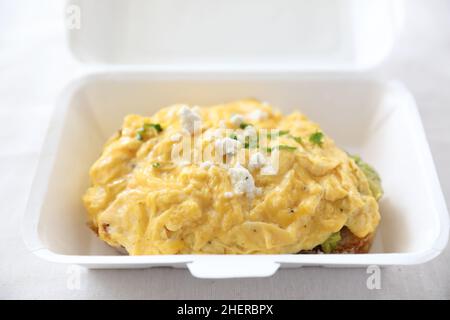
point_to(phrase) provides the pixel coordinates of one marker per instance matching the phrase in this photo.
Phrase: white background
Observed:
(35, 65)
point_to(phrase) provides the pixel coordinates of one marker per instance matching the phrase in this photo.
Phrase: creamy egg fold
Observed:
(148, 201)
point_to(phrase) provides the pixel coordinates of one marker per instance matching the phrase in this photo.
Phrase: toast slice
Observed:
(348, 243)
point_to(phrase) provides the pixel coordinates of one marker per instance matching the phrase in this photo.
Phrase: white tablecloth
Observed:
(35, 65)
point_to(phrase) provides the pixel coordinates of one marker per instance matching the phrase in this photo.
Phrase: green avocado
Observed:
(375, 188)
(331, 243)
(371, 175)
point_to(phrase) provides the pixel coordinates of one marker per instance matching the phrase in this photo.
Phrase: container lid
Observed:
(245, 35)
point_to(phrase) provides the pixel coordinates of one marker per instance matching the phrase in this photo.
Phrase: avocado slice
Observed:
(375, 188)
(331, 243)
(372, 176)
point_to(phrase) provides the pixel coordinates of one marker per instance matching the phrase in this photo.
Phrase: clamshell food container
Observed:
(299, 55)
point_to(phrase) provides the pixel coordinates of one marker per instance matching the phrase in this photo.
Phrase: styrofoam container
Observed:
(375, 118)
(235, 34)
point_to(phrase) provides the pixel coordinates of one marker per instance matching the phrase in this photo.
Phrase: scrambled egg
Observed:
(145, 201)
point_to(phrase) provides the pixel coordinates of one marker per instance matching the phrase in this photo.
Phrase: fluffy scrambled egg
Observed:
(145, 201)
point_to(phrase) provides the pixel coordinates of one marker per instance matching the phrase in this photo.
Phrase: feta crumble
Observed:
(237, 119)
(257, 160)
(258, 115)
(268, 170)
(250, 131)
(227, 146)
(242, 181)
(206, 164)
(190, 119)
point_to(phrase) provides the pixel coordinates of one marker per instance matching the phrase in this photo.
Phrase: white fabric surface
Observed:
(35, 65)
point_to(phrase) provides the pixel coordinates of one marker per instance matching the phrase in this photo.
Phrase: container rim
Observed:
(30, 220)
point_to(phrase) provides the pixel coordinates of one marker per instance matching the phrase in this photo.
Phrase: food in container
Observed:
(234, 178)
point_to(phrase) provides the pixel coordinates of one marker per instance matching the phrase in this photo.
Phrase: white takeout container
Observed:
(377, 119)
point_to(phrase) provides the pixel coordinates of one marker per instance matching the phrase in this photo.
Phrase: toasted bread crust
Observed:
(352, 244)
(349, 243)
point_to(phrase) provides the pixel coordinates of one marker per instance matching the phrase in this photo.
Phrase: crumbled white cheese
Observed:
(206, 164)
(209, 135)
(250, 131)
(213, 134)
(227, 146)
(237, 119)
(190, 119)
(228, 194)
(257, 115)
(242, 181)
(257, 160)
(268, 170)
(176, 137)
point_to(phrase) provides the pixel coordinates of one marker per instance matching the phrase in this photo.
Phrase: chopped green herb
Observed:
(299, 140)
(247, 145)
(331, 243)
(286, 147)
(281, 147)
(316, 138)
(156, 165)
(244, 125)
(277, 133)
(233, 136)
(141, 131)
(155, 126)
